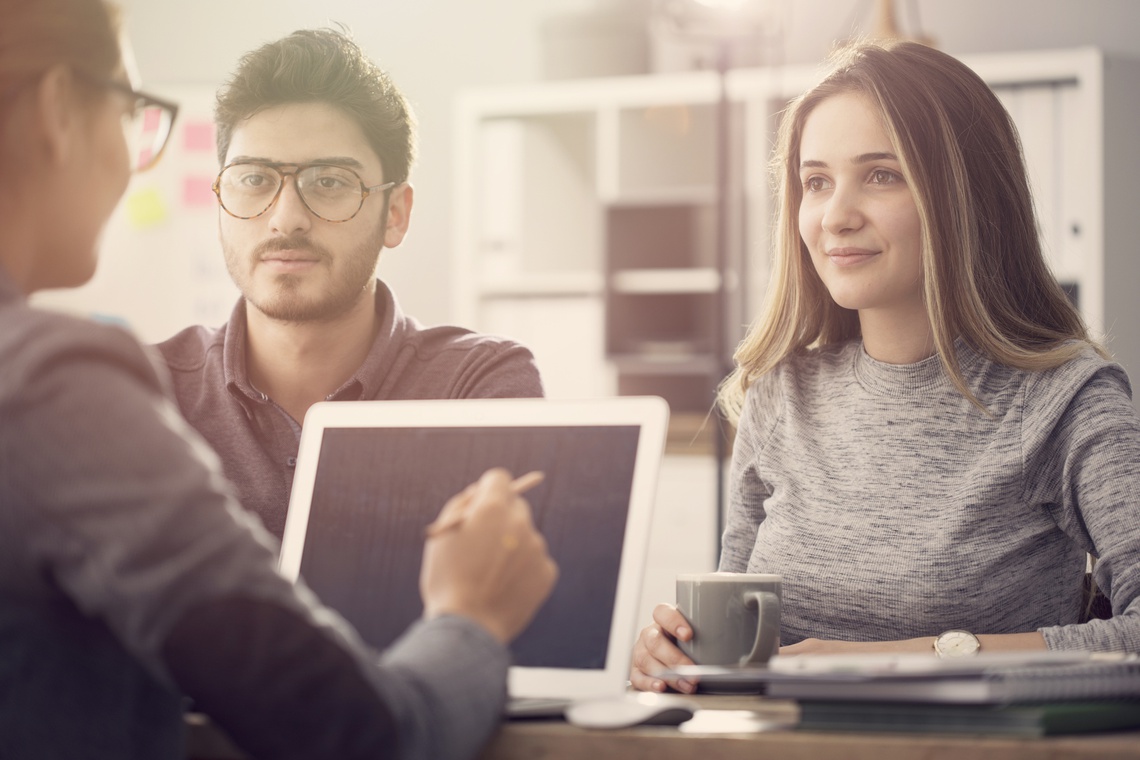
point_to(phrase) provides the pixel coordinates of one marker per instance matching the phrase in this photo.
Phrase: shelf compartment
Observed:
(679, 323)
(541, 284)
(667, 145)
(687, 280)
(521, 231)
(686, 394)
(673, 195)
(649, 363)
(666, 236)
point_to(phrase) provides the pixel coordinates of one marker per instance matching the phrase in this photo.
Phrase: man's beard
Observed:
(284, 301)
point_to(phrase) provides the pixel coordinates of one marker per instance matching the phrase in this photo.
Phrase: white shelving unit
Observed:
(591, 203)
(585, 211)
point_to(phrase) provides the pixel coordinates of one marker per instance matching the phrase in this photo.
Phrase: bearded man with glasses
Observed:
(315, 144)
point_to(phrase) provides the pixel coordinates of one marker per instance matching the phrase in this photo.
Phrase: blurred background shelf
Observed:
(593, 202)
(666, 281)
(586, 227)
(541, 285)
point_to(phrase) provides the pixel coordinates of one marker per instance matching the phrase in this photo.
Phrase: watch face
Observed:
(957, 644)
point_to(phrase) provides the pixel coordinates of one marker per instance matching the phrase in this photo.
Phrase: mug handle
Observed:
(767, 605)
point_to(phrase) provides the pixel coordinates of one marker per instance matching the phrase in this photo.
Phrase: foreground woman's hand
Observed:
(488, 563)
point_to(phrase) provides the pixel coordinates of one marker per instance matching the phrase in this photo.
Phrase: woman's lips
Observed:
(847, 257)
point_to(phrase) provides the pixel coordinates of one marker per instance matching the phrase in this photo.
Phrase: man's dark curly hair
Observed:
(326, 66)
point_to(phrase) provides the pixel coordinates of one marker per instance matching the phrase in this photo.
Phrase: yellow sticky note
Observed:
(145, 208)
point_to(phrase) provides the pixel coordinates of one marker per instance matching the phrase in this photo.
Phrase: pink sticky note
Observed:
(198, 135)
(151, 118)
(197, 191)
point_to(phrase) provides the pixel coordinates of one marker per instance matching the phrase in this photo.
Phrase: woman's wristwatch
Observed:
(956, 643)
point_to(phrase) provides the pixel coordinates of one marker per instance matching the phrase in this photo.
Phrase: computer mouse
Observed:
(631, 709)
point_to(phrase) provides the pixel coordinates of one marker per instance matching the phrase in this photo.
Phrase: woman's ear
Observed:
(55, 114)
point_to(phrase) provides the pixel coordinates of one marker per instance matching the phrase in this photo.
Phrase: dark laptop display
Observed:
(377, 488)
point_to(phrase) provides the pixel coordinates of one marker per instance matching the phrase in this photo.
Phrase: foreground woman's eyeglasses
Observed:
(147, 124)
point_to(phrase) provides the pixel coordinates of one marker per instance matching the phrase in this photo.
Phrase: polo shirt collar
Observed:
(390, 337)
(235, 369)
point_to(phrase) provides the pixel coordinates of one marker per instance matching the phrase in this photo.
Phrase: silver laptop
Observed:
(371, 475)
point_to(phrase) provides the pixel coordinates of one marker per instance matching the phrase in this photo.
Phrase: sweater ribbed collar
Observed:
(908, 380)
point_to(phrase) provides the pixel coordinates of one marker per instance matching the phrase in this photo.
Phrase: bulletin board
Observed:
(160, 263)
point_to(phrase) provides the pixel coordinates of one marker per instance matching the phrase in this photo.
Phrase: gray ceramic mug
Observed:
(735, 617)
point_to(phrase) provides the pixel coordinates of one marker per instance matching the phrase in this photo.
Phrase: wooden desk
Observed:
(557, 740)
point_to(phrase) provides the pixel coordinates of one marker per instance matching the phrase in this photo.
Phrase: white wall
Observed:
(434, 48)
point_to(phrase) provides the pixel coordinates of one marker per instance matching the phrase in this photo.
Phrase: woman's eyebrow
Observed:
(865, 158)
(862, 158)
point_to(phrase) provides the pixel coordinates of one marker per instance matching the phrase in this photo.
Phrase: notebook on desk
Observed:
(371, 475)
(994, 678)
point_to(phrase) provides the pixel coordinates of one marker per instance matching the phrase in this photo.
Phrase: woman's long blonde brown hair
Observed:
(985, 279)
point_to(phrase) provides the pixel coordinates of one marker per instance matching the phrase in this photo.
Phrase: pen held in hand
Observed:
(518, 486)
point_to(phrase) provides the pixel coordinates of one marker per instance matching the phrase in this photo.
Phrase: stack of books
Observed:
(1044, 719)
(1017, 694)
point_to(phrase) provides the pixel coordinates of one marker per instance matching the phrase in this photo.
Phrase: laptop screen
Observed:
(377, 488)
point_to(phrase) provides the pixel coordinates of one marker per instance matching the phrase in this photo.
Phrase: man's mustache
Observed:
(295, 243)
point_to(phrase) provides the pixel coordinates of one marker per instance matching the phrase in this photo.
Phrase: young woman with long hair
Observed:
(928, 438)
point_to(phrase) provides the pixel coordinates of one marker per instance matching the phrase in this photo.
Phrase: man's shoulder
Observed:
(446, 339)
(448, 361)
(190, 349)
